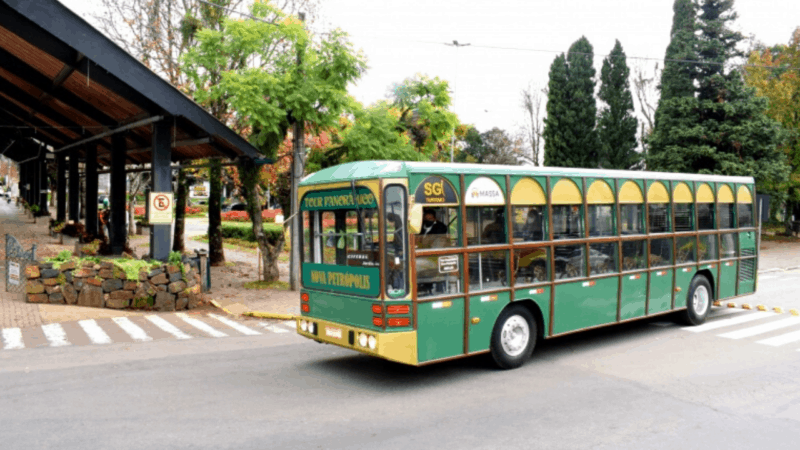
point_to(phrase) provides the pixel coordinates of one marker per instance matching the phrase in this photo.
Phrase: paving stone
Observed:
(57, 298)
(177, 276)
(34, 287)
(176, 287)
(32, 272)
(165, 302)
(50, 273)
(159, 279)
(94, 281)
(70, 294)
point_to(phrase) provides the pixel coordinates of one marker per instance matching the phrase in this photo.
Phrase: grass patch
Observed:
(280, 285)
(779, 238)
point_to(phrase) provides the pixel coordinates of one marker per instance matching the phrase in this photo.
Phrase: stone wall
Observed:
(104, 285)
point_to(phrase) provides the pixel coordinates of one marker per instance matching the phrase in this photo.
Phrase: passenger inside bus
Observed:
(433, 233)
(495, 232)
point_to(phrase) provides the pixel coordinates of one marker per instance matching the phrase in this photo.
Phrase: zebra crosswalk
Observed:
(762, 327)
(136, 329)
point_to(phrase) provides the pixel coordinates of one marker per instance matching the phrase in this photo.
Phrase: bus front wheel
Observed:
(513, 337)
(698, 301)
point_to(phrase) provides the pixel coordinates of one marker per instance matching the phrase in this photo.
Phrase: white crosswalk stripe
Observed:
(235, 325)
(134, 331)
(782, 339)
(12, 339)
(728, 322)
(168, 327)
(200, 325)
(95, 333)
(55, 335)
(104, 332)
(761, 329)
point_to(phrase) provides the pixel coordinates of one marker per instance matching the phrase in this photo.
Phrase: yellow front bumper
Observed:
(400, 346)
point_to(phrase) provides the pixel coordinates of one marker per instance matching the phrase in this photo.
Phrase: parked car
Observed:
(235, 207)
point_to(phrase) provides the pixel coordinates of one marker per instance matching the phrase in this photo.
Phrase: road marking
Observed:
(55, 335)
(723, 312)
(290, 324)
(133, 330)
(200, 325)
(273, 328)
(95, 333)
(760, 329)
(168, 327)
(728, 322)
(236, 326)
(12, 339)
(782, 339)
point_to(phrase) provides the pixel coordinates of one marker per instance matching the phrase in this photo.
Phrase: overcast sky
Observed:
(512, 42)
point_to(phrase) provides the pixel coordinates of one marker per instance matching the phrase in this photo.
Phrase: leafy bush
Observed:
(244, 231)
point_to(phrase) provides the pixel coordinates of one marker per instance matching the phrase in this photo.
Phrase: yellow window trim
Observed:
(630, 193)
(724, 194)
(600, 193)
(527, 191)
(743, 195)
(657, 193)
(682, 194)
(705, 194)
(566, 192)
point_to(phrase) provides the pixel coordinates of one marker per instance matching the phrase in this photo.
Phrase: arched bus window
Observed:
(658, 208)
(683, 202)
(486, 225)
(600, 204)
(529, 211)
(440, 225)
(725, 207)
(569, 261)
(631, 214)
(528, 203)
(744, 207)
(705, 208)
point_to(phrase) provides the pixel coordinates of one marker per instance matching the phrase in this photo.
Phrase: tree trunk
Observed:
(272, 244)
(216, 253)
(180, 213)
(132, 215)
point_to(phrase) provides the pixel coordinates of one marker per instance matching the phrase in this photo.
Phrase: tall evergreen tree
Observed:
(616, 127)
(677, 79)
(721, 128)
(570, 135)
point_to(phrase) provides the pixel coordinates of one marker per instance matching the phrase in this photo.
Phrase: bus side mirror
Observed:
(415, 219)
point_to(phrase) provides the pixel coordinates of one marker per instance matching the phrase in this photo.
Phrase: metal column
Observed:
(161, 181)
(74, 187)
(61, 187)
(116, 227)
(44, 183)
(91, 189)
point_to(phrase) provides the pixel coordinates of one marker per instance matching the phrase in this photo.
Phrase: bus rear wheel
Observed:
(698, 301)
(513, 337)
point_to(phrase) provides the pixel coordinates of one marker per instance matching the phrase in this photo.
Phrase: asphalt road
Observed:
(648, 384)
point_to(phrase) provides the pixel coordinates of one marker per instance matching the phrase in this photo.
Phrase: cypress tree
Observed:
(570, 135)
(721, 128)
(616, 127)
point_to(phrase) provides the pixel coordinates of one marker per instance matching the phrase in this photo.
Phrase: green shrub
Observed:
(244, 231)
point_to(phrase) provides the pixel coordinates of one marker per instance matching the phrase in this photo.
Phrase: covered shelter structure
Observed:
(70, 95)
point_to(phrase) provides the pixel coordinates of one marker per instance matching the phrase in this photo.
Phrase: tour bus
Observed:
(424, 262)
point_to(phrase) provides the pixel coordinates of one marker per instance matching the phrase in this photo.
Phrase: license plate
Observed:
(333, 332)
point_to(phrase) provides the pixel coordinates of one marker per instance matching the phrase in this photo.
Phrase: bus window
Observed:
(569, 261)
(634, 255)
(532, 265)
(396, 242)
(486, 225)
(529, 224)
(488, 270)
(728, 243)
(744, 207)
(440, 228)
(684, 207)
(708, 247)
(631, 207)
(725, 207)
(438, 275)
(308, 247)
(658, 208)
(567, 223)
(603, 258)
(685, 249)
(660, 252)
(600, 199)
(705, 207)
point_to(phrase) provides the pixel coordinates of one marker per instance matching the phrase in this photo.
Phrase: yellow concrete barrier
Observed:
(269, 315)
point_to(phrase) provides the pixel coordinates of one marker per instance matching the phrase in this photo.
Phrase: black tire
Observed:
(516, 349)
(697, 309)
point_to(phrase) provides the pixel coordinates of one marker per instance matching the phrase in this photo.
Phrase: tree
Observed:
(773, 73)
(534, 125)
(569, 132)
(616, 124)
(720, 127)
(491, 147)
(645, 88)
(305, 80)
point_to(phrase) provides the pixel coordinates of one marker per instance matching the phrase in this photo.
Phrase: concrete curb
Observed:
(777, 269)
(216, 304)
(269, 315)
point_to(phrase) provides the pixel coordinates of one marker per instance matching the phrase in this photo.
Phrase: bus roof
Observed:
(394, 169)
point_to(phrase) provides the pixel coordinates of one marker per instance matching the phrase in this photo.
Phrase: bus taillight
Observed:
(399, 322)
(377, 321)
(377, 309)
(397, 309)
(304, 307)
(304, 296)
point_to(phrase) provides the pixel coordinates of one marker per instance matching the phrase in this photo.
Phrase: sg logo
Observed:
(436, 189)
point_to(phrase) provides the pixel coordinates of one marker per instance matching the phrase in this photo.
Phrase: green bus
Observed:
(424, 262)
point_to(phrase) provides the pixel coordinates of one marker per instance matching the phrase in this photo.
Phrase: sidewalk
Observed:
(227, 286)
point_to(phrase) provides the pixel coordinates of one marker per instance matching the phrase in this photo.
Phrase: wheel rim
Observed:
(515, 335)
(700, 300)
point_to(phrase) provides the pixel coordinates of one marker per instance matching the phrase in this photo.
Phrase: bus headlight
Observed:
(362, 339)
(372, 342)
(304, 325)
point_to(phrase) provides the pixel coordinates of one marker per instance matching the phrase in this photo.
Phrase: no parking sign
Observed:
(160, 208)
